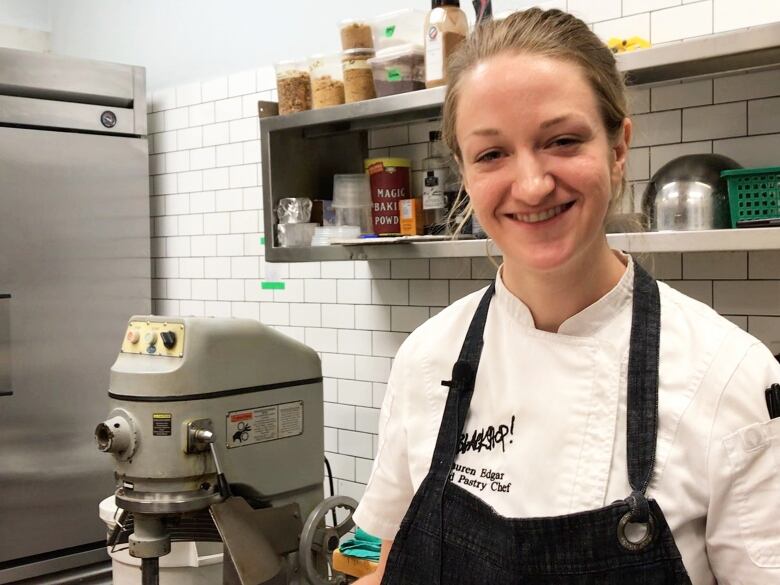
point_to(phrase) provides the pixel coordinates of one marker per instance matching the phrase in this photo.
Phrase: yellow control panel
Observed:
(154, 339)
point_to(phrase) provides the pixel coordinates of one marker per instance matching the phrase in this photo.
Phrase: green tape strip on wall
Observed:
(272, 285)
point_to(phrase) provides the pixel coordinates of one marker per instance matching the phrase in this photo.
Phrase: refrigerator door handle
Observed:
(5, 345)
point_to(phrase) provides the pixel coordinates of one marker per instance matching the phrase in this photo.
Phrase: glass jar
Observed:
(327, 81)
(293, 85)
(358, 77)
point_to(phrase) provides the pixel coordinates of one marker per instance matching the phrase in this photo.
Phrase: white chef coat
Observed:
(546, 430)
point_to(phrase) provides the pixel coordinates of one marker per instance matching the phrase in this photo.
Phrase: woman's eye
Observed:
(488, 156)
(565, 141)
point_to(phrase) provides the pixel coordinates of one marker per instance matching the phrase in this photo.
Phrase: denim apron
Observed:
(451, 537)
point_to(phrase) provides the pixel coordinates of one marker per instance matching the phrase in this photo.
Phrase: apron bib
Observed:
(451, 537)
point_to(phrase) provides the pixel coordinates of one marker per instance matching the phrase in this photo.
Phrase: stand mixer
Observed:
(216, 430)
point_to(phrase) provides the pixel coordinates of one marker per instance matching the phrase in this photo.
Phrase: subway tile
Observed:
(275, 271)
(216, 179)
(378, 391)
(253, 197)
(254, 292)
(747, 86)
(355, 392)
(305, 314)
(734, 15)
(189, 138)
(215, 89)
(179, 288)
(389, 136)
(371, 369)
(163, 99)
(216, 267)
(428, 293)
(293, 292)
(245, 310)
(321, 339)
(229, 109)
(461, 288)
(190, 181)
(663, 266)
(242, 222)
(204, 289)
(701, 290)
(681, 22)
(178, 246)
(752, 297)
(636, 6)
(243, 176)
(166, 307)
(638, 100)
(407, 318)
(340, 416)
(203, 158)
(354, 291)
(275, 313)
(157, 163)
(372, 317)
(342, 466)
(155, 122)
(660, 155)
(159, 288)
(338, 269)
(419, 131)
(363, 469)
(338, 316)
(367, 419)
(166, 267)
(657, 128)
(682, 94)
(167, 226)
(217, 309)
(638, 166)
(244, 267)
(266, 78)
(164, 184)
(190, 225)
(590, 11)
(715, 265)
(720, 121)
(252, 245)
(203, 202)
(242, 83)
(176, 162)
(164, 142)
(216, 134)
(409, 268)
(329, 386)
(177, 204)
(448, 268)
(229, 199)
(764, 264)
(230, 154)
(244, 129)
(320, 291)
(414, 152)
(337, 365)
(157, 206)
(751, 151)
(202, 114)
(483, 268)
(204, 246)
(637, 25)
(216, 223)
(372, 269)
(764, 116)
(390, 292)
(354, 341)
(386, 343)
(194, 308)
(305, 270)
(353, 443)
(231, 290)
(251, 151)
(331, 439)
(740, 321)
(177, 118)
(767, 330)
(351, 489)
(230, 245)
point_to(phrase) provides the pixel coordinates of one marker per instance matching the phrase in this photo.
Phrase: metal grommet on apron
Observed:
(451, 537)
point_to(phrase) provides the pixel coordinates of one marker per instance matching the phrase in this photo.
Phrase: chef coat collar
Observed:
(587, 322)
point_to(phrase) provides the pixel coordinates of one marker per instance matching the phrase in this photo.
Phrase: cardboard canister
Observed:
(390, 180)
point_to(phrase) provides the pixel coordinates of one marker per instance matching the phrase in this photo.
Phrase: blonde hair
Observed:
(547, 33)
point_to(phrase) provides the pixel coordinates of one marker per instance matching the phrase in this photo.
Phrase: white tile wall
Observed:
(207, 210)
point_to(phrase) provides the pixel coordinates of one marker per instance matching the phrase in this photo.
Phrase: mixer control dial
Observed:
(168, 339)
(150, 338)
(133, 336)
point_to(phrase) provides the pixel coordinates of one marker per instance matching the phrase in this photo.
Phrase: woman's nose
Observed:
(532, 183)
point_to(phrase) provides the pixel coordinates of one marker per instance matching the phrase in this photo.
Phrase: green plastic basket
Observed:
(754, 196)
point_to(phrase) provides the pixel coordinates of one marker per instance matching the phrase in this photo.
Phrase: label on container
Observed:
(264, 423)
(434, 55)
(389, 31)
(389, 184)
(393, 75)
(433, 189)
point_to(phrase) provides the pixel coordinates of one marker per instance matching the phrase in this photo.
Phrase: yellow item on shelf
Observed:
(624, 45)
(352, 566)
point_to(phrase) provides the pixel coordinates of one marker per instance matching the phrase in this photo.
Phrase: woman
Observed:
(576, 422)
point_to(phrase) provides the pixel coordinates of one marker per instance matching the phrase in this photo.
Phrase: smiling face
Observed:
(537, 161)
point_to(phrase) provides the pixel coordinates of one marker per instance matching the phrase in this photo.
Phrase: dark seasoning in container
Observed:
(399, 69)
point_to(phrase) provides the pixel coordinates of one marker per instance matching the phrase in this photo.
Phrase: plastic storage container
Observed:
(352, 201)
(754, 196)
(358, 76)
(326, 234)
(327, 81)
(293, 85)
(399, 28)
(356, 34)
(295, 235)
(399, 69)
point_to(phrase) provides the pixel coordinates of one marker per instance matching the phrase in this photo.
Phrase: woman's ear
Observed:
(620, 149)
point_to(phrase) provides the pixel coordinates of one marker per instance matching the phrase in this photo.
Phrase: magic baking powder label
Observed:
(390, 181)
(263, 423)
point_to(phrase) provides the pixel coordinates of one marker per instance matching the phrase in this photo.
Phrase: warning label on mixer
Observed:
(264, 423)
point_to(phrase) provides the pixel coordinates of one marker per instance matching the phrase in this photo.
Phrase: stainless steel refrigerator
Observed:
(74, 265)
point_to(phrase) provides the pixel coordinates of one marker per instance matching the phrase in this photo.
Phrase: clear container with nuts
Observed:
(358, 76)
(293, 85)
(356, 34)
(327, 81)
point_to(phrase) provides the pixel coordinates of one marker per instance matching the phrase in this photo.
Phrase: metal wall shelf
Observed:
(302, 151)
